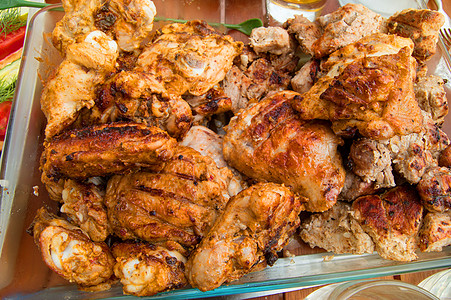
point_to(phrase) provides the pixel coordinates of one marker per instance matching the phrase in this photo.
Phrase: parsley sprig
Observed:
(10, 20)
(7, 90)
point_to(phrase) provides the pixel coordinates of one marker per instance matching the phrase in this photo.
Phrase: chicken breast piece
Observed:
(68, 251)
(83, 203)
(179, 203)
(435, 233)
(305, 31)
(345, 26)
(435, 189)
(189, 57)
(420, 25)
(336, 231)
(255, 225)
(367, 89)
(268, 142)
(105, 150)
(393, 220)
(147, 269)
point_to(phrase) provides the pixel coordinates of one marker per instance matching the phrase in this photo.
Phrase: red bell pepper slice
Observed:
(11, 42)
(5, 110)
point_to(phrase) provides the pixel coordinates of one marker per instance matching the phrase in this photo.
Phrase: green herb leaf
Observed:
(10, 20)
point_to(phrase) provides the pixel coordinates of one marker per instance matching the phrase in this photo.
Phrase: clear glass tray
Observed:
(23, 274)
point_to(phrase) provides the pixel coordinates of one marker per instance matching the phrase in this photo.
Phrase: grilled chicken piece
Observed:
(72, 86)
(147, 269)
(420, 25)
(255, 225)
(182, 58)
(435, 189)
(368, 86)
(274, 40)
(170, 113)
(445, 157)
(393, 220)
(435, 232)
(83, 203)
(355, 187)
(336, 231)
(179, 203)
(105, 150)
(305, 77)
(346, 25)
(129, 22)
(68, 251)
(431, 97)
(268, 142)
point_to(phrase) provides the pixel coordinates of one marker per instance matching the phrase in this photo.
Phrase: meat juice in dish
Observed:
(180, 156)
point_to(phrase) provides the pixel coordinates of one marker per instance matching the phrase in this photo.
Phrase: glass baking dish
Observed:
(23, 273)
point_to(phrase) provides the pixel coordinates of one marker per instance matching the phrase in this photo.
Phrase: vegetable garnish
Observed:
(11, 20)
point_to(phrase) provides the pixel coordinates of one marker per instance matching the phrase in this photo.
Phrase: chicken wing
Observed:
(393, 220)
(179, 203)
(368, 86)
(269, 142)
(255, 225)
(68, 251)
(104, 150)
(147, 269)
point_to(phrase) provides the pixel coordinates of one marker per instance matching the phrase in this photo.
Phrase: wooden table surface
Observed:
(30, 257)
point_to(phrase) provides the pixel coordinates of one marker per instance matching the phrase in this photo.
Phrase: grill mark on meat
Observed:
(104, 18)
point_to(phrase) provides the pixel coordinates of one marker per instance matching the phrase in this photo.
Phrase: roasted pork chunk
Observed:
(68, 251)
(254, 226)
(435, 233)
(268, 142)
(435, 189)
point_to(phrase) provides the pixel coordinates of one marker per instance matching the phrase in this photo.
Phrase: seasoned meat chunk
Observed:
(305, 77)
(435, 189)
(275, 40)
(336, 230)
(147, 269)
(255, 225)
(179, 203)
(68, 251)
(420, 25)
(83, 203)
(435, 233)
(345, 26)
(305, 31)
(431, 96)
(393, 220)
(105, 150)
(268, 142)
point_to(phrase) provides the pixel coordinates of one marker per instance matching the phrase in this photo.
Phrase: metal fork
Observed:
(446, 36)
(445, 31)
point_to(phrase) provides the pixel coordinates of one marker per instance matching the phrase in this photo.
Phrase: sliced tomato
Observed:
(11, 42)
(5, 110)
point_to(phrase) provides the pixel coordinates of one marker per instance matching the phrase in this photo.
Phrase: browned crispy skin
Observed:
(180, 203)
(269, 142)
(255, 225)
(104, 150)
(435, 233)
(392, 220)
(420, 25)
(68, 251)
(147, 269)
(372, 93)
(435, 189)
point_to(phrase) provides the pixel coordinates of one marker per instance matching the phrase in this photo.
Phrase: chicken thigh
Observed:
(255, 225)
(268, 142)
